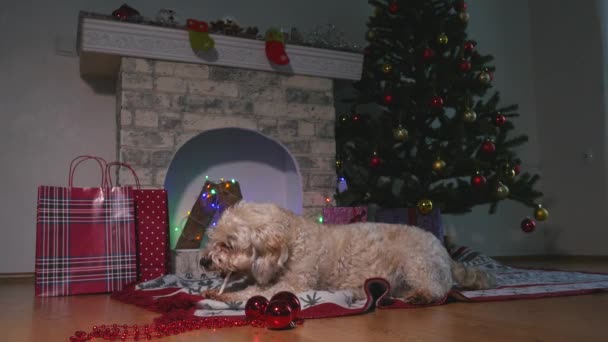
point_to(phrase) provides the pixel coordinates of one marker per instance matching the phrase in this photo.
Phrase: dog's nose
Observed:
(205, 262)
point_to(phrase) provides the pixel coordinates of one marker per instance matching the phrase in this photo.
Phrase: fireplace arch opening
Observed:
(264, 168)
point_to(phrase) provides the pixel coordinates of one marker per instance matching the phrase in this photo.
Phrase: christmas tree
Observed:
(426, 129)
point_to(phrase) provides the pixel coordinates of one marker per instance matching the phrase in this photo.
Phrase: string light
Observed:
(233, 181)
(213, 191)
(188, 213)
(327, 199)
(227, 185)
(320, 219)
(206, 177)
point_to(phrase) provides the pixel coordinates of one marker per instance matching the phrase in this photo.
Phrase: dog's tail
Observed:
(472, 278)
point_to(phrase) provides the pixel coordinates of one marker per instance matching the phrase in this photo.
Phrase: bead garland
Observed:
(148, 332)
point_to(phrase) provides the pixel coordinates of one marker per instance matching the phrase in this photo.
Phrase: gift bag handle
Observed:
(109, 177)
(76, 161)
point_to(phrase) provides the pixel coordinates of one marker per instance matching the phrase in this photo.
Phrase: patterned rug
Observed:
(171, 292)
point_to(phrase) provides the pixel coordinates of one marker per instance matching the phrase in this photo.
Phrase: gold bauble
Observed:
(387, 68)
(502, 191)
(541, 213)
(442, 39)
(438, 165)
(400, 133)
(371, 34)
(509, 173)
(464, 16)
(484, 77)
(469, 116)
(338, 163)
(425, 206)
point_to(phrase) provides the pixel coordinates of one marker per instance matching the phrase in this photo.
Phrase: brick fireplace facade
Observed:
(162, 105)
(167, 95)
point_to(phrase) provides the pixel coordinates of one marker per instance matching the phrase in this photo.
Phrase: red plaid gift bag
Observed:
(344, 215)
(152, 226)
(85, 237)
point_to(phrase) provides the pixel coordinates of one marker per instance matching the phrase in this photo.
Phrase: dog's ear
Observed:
(270, 253)
(266, 267)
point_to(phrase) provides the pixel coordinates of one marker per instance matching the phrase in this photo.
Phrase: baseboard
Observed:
(16, 275)
(561, 258)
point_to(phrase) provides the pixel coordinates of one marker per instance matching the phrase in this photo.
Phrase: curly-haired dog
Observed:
(285, 252)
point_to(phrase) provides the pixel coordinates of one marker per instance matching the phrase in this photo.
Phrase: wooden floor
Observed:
(579, 318)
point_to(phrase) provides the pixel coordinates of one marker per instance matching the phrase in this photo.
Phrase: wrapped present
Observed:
(85, 237)
(152, 226)
(344, 215)
(430, 222)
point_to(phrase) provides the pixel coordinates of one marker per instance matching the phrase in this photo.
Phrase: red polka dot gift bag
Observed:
(152, 228)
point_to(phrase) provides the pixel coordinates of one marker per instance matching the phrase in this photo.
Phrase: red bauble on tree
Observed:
(464, 66)
(428, 54)
(460, 5)
(437, 102)
(356, 117)
(517, 169)
(528, 225)
(500, 120)
(387, 98)
(478, 180)
(375, 160)
(469, 46)
(393, 7)
(488, 147)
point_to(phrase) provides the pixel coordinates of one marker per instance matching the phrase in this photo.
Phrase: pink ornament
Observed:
(278, 315)
(255, 307)
(528, 225)
(291, 299)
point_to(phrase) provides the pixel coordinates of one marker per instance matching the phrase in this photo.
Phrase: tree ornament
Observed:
(502, 191)
(500, 120)
(425, 206)
(488, 147)
(278, 315)
(291, 299)
(442, 39)
(438, 165)
(478, 180)
(198, 32)
(400, 133)
(375, 160)
(460, 5)
(339, 163)
(528, 225)
(387, 68)
(484, 77)
(464, 65)
(255, 307)
(541, 213)
(428, 54)
(517, 169)
(469, 116)
(508, 172)
(388, 98)
(464, 16)
(393, 7)
(371, 34)
(275, 47)
(469, 46)
(437, 102)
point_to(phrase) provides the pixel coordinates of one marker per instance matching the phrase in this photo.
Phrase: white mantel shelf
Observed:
(102, 42)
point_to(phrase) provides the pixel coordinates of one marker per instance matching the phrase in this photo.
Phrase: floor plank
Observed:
(577, 318)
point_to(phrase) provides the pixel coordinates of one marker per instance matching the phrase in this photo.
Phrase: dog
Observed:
(281, 251)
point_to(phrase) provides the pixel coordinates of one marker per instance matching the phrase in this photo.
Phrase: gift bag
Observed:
(152, 227)
(344, 215)
(85, 237)
(430, 222)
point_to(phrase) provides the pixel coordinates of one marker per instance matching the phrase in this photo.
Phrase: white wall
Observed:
(569, 80)
(50, 115)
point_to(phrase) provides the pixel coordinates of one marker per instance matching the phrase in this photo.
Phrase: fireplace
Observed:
(181, 117)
